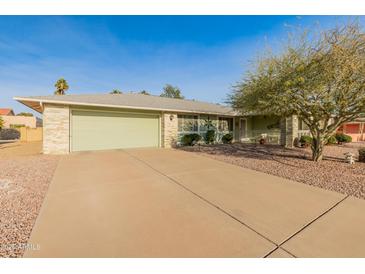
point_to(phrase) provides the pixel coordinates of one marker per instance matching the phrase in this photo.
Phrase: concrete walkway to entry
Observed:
(169, 203)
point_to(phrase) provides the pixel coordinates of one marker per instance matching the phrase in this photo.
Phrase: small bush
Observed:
(331, 140)
(262, 141)
(196, 138)
(186, 140)
(305, 140)
(190, 139)
(227, 138)
(343, 138)
(210, 136)
(362, 154)
(9, 134)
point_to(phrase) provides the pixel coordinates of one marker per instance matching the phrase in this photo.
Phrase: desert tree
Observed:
(61, 87)
(171, 92)
(115, 91)
(144, 92)
(28, 114)
(320, 78)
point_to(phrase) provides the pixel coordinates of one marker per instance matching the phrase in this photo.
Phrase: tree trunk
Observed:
(317, 149)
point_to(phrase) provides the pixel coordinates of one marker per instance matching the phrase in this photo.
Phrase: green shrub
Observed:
(227, 138)
(196, 138)
(186, 140)
(210, 136)
(190, 139)
(16, 125)
(332, 140)
(362, 154)
(343, 138)
(305, 140)
(9, 134)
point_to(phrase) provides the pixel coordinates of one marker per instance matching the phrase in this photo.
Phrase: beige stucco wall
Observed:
(28, 121)
(169, 129)
(56, 129)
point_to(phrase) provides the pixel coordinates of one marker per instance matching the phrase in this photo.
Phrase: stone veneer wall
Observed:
(169, 129)
(56, 129)
(289, 130)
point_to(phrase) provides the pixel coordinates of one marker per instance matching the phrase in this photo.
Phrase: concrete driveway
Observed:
(169, 203)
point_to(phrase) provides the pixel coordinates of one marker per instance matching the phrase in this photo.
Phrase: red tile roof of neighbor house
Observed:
(6, 111)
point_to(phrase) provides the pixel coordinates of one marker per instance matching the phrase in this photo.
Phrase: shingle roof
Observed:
(132, 101)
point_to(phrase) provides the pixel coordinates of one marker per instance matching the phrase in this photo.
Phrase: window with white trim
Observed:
(187, 123)
(225, 124)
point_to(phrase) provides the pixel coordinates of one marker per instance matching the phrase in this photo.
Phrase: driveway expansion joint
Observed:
(315, 219)
(278, 246)
(204, 199)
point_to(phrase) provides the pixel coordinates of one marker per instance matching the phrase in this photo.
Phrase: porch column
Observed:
(236, 127)
(169, 130)
(288, 130)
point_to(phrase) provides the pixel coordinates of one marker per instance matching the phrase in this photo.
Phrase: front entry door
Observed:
(243, 127)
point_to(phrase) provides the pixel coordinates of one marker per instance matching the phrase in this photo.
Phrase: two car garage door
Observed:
(96, 130)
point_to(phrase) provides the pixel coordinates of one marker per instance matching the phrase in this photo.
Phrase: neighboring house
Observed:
(6, 111)
(111, 121)
(355, 129)
(12, 121)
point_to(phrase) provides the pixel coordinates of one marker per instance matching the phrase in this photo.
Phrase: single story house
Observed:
(356, 129)
(74, 123)
(6, 111)
(14, 121)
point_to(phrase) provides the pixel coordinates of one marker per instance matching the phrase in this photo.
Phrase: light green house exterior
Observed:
(73, 123)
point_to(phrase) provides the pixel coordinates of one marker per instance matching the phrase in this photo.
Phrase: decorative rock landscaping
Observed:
(24, 182)
(333, 173)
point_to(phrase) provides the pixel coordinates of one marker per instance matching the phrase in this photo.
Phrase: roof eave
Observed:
(28, 102)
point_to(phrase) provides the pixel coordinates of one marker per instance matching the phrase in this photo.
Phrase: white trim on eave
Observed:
(20, 99)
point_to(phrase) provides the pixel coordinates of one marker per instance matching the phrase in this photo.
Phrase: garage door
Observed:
(95, 130)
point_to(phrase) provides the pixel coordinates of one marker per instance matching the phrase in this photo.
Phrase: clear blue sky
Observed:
(203, 55)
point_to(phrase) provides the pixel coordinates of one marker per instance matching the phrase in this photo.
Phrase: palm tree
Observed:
(116, 91)
(61, 87)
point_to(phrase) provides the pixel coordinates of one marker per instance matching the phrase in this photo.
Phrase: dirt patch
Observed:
(24, 182)
(332, 173)
(20, 149)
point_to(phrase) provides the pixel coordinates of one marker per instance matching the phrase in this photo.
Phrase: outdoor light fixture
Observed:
(171, 117)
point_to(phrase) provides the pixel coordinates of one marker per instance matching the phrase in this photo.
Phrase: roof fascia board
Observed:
(56, 102)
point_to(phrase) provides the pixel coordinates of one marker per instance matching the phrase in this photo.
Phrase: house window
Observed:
(302, 125)
(225, 124)
(207, 122)
(187, 123)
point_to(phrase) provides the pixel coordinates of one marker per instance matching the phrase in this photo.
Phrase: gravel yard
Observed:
(332, 173)
(24, 181)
